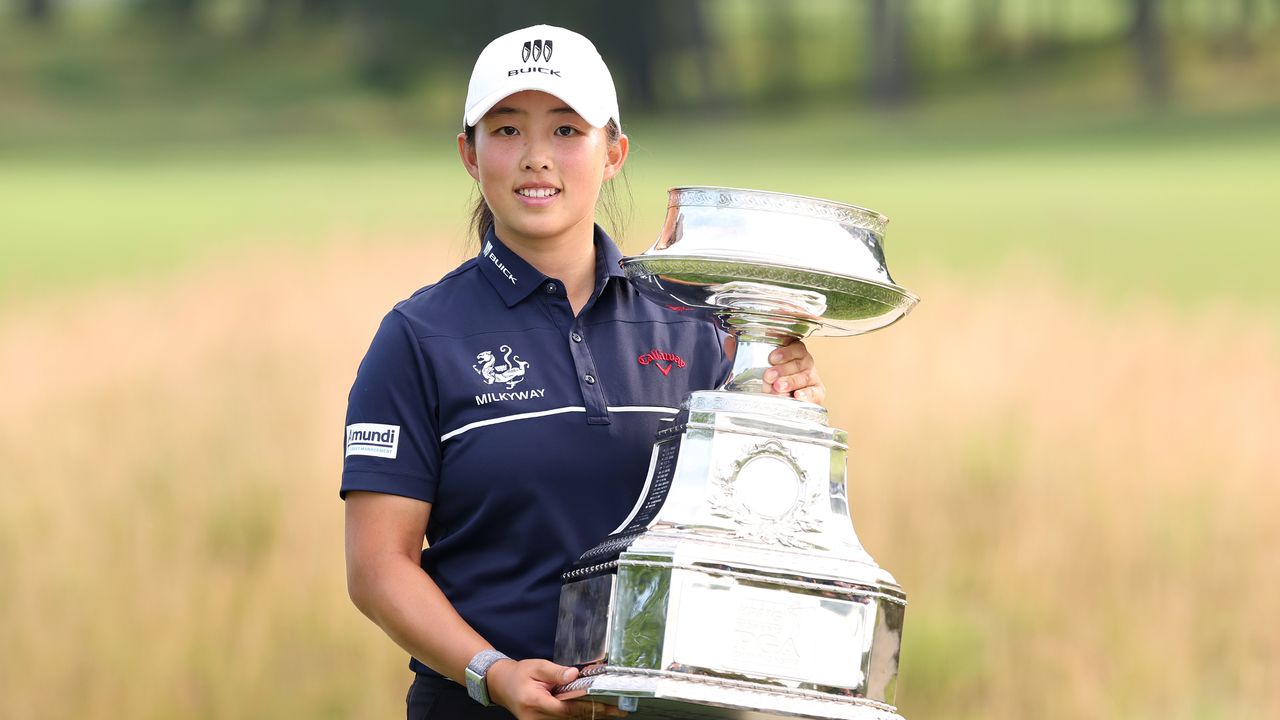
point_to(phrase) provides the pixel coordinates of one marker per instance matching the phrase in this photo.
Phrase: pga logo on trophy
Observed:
(737, 587)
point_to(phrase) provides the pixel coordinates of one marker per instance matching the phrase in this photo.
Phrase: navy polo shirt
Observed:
(527, 428)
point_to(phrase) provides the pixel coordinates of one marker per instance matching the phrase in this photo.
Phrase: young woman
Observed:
(507, 412)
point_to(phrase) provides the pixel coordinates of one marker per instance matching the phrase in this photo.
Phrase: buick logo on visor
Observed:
(537, 50)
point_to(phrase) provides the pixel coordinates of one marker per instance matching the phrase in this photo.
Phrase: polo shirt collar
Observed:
(515, 279)
(509, 274)
(608, 257)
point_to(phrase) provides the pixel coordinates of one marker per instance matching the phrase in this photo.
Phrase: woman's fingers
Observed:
(524, 688)
(816, 394)
(791, 365)
(794, 373)
(549, 672)
(789, 377)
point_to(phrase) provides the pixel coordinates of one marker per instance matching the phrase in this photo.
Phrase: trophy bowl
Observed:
(770, 268)
(810, 263)
(737, 587)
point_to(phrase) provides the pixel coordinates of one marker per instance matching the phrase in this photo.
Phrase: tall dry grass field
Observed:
(1080, 499)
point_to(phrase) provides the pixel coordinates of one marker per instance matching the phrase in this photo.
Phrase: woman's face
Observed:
(540, 167)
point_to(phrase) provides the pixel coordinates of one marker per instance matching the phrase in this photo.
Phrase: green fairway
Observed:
(1176, 208)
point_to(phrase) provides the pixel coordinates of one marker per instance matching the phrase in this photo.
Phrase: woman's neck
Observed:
(570, 258)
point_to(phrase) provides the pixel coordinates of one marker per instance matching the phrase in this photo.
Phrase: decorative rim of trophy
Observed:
(712, 196)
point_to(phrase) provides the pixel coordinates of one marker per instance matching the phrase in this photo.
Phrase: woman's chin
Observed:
(546, 228)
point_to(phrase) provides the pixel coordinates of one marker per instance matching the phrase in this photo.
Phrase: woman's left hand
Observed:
(794, 372)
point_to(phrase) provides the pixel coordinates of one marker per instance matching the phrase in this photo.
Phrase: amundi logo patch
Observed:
(373, 439)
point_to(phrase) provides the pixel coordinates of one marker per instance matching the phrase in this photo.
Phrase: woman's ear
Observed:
(615, 156)
(467, 151)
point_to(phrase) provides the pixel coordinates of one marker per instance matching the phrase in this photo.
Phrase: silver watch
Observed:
(477, 670)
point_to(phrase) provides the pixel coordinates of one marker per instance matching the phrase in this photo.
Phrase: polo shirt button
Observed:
(591, 379)
(551, 288)
(575, 336)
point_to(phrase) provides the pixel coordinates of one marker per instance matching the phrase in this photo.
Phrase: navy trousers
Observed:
(437, 698)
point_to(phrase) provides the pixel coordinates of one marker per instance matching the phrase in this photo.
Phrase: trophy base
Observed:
(688, 626)
(677, 696)
(737, 587)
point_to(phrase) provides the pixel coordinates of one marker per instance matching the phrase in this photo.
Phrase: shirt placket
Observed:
(556, 301)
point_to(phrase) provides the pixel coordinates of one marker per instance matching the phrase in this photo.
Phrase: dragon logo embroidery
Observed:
(510, 370)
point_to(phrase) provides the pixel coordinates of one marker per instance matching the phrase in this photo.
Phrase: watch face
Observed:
(477, 688)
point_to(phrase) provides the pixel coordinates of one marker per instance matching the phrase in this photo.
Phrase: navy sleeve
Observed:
(726, 362)
(392, 442)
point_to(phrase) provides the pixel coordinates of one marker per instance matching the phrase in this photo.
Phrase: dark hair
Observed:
(482, 216)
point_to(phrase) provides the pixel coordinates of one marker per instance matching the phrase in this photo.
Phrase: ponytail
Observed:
(481, 218)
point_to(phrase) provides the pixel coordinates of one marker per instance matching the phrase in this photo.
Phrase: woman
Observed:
(507, 412)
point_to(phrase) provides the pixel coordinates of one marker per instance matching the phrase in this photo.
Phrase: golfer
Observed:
(506, 413)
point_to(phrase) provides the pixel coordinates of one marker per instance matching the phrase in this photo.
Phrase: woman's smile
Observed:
(538, 195)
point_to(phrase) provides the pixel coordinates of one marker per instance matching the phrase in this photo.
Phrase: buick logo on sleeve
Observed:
(536, 50)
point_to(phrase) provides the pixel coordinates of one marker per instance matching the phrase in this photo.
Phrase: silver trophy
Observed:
(737, 587)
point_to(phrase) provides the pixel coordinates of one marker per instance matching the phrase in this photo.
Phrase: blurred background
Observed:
(1067, 454)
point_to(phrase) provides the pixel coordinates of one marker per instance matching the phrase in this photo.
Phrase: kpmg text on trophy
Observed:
(737, 587)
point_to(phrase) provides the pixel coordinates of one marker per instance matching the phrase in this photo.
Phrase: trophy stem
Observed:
(749, 363)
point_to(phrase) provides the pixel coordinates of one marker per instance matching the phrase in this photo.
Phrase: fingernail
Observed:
(770, 375)
(782, 386)
(567, 675)
(775, 356)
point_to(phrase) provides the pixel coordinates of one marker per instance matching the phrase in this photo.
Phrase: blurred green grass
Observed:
(1176, 206)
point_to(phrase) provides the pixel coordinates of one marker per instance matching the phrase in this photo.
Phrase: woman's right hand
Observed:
(524, 688)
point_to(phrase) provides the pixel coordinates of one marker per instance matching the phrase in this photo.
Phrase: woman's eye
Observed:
(566, 130)
(507, 131)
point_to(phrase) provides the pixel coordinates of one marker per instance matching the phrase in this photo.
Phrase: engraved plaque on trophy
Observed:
(737, 587)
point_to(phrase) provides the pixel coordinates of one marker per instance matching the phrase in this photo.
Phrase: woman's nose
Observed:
(536, 157)
(537, 163)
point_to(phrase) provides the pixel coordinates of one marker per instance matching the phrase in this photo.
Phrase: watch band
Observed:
(477, 669)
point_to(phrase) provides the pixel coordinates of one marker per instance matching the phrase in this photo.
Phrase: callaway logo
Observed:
(537, 49)
(509, 371)
(661, 360)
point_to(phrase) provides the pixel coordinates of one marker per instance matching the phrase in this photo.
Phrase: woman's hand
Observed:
(524, 688)
(794, 372)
